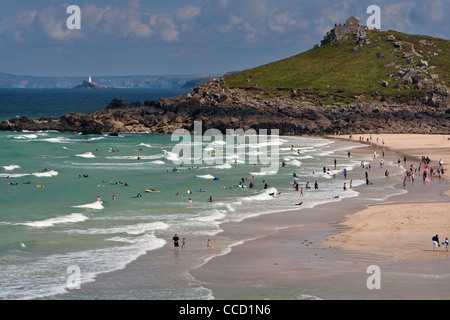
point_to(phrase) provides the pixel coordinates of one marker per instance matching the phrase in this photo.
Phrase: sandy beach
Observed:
(324, 252)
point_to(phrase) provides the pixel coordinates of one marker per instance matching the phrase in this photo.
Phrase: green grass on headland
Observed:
(337, 73)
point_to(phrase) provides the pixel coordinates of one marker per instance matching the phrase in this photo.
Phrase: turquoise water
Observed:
(44, 230)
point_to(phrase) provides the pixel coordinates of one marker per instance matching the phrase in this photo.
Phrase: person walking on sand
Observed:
(435, 240)
(208, 244)
(446, 243)
(301, 192)
(183, 243)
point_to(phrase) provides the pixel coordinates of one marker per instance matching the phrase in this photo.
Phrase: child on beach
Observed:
(208, 244)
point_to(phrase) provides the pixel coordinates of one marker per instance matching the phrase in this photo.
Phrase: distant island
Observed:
(89, 85)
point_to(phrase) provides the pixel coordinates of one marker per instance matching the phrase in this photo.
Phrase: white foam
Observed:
(264, 173)
(56, 140)
(212, 217)
(206, 176)
(224, 166)
(92, 262)
(11, 167)
(97, 205)
(172, 156)
(135, 229)
(72, 218)
(261, 196)
(86, 155)
(144, 145)
(26, 136)
(295, 163)
(14, 175)
(45, 174)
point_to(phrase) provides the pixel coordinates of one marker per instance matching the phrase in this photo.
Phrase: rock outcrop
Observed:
(222, 108)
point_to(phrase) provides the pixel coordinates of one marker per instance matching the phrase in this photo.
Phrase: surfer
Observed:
(299, 204)
(98, 198)
(210, 199)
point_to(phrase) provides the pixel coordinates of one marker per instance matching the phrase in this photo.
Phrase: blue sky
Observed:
(136, 37)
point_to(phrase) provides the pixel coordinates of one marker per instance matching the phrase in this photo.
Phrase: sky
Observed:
(180, 37)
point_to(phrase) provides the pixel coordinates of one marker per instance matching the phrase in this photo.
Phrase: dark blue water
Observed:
(36, 103)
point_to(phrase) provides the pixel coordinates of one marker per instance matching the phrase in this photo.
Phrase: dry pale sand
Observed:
(434, 146)
(402, 231)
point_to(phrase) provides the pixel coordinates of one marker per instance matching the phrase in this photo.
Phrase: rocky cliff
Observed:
(220, 107)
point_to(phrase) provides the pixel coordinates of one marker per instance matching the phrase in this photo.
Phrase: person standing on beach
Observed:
(176, 240)
(208, 244)
(316, 186)
(446, 243)
(435, 240)
(301, 192)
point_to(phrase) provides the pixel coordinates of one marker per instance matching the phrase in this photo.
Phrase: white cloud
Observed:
(55, 28)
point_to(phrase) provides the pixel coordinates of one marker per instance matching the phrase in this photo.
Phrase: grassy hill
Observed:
(338, 73)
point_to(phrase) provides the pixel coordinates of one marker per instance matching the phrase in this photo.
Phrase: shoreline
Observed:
(286, 260)
(281, 255)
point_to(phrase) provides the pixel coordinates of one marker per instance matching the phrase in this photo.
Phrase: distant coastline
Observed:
(11, 81)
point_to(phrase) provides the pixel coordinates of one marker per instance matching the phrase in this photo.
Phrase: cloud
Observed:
(165, 27)
(224, 34)
(55, 28)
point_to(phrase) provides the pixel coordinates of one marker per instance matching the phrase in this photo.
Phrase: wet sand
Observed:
(324, 252)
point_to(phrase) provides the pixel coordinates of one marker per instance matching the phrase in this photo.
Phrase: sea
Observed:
(74, 208)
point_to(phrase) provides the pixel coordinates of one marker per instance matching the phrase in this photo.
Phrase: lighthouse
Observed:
(90, 79)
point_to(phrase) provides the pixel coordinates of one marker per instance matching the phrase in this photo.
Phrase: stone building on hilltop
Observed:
(351, 26)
